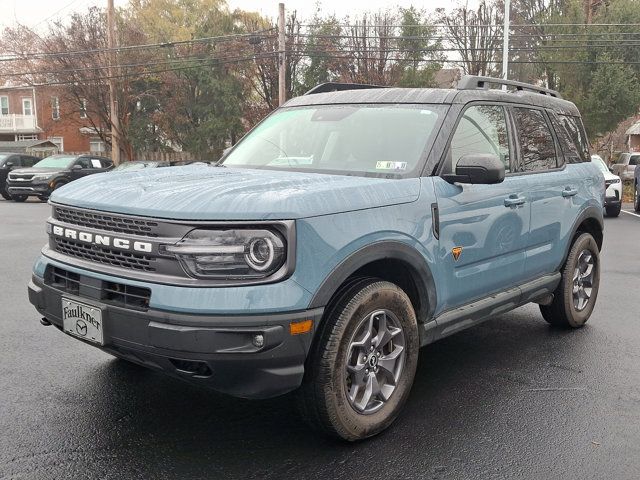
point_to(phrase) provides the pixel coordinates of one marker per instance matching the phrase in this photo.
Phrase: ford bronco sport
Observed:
(352, 226)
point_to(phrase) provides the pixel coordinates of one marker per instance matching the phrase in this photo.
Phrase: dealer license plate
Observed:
(82, 321)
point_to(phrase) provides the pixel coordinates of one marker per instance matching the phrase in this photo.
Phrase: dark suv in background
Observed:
(10, 161)
(51, 173)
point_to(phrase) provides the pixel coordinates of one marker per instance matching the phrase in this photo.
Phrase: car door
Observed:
(483, 229)
(555, 191)
(81, 168)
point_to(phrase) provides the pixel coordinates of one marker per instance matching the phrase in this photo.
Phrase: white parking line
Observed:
(631, 213)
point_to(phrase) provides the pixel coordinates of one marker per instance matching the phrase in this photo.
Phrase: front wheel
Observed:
(575, 296)
(5, 195)
(361, 367)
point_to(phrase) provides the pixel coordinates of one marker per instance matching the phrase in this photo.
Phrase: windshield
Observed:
(600, 163)
(3, 158)
(354, 139)
(61, 161)
(135, 166)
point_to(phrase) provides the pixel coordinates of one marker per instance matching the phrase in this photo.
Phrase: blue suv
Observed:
(352, 226)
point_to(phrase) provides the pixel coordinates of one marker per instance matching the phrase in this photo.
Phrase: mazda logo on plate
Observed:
(81, 328)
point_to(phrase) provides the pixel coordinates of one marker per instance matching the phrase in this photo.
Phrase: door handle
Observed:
(569, 192)
(514, 201)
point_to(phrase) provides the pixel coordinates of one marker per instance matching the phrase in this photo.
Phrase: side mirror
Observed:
(76, 167)
(9, 164)
(477, 168)
(611, 169)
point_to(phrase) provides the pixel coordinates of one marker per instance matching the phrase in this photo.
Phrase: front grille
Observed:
(20, 177)
(113, 293)
(105, 255)
(65, 280)
(108, 222)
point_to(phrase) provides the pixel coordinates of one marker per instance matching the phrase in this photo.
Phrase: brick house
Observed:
(42, 113)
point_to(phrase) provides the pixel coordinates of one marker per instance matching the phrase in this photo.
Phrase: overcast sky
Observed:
(36, 13)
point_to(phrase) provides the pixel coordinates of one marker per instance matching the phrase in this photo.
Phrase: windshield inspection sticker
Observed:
(391, 165)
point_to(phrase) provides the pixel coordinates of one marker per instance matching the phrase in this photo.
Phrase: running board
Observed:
(460, 318)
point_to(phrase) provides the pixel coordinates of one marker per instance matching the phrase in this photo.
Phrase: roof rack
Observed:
(473, 82)
(338, 87)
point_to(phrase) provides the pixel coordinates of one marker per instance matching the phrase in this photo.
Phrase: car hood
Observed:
(203, 192)
(33, 170)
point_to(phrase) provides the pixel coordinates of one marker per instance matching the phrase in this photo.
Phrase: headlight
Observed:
(41, 176)
(230, 254)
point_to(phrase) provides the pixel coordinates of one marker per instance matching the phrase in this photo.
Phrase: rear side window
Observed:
(570, 144)
(537, 147)
(634, 160)
(482, 129)
(577, 138)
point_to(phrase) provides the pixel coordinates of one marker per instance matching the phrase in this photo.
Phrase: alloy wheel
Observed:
(583, 280)
(375, 361)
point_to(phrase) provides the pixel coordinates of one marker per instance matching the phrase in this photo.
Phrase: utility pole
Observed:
(113, 101)
(505, 42)
(282, 58)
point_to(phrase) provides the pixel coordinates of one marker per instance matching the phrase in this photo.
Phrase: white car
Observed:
(613, 185)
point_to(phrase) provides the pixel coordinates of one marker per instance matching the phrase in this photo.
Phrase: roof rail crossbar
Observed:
(472, 82)
(338, 87)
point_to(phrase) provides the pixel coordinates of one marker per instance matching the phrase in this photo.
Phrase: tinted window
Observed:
(537, 148)
(85, 163)
(622, 159)
(29, 161)
(577, 137)
(481, 130)
(634, 160)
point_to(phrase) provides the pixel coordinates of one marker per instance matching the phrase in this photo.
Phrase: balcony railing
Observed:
(17, 123)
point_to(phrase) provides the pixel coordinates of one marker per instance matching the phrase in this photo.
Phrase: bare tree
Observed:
(476, 35)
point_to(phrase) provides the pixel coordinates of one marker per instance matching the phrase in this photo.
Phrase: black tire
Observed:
(43, 199)
(636, 198)
(563, 311)
(614, 210)
(323, 397)
(5, 195)
(19, 198)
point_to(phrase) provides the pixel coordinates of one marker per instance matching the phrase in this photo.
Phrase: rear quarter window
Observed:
(572, 138)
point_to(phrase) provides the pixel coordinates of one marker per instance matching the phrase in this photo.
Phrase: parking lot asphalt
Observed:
(511, 398)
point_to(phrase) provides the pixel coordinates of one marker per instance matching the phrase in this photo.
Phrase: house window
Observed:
(59, 141)
(32, 136)
(27, 107)
(55, 108)
(83, 108)
(4, 105)
(97, 146)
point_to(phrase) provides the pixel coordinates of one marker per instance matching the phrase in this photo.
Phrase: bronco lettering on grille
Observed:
(87, 237)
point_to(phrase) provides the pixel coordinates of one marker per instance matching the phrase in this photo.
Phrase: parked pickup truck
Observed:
(626, 165)
(349, 228)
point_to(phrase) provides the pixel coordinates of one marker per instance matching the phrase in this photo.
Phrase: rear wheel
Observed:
(614, 210)
(576, 294)
(361, 368)
(19, 198)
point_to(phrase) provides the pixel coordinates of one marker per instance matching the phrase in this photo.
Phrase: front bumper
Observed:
(28, 188)
(613, 195)
(211, 350)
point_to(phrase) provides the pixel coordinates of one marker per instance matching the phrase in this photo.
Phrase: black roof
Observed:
(436, 96)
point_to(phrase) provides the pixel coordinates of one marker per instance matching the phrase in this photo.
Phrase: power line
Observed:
(41, 55)
(209, 62)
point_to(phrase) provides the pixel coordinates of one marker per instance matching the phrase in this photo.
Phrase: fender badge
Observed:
(456, 251)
